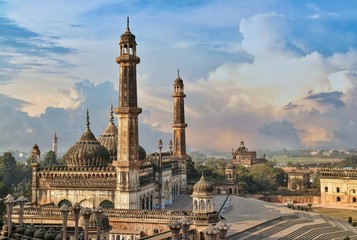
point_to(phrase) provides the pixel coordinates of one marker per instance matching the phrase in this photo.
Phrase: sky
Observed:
(275, 73)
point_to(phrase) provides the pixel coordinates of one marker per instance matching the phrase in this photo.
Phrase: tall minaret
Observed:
(127, 164)
(179, 127)
(54, 143)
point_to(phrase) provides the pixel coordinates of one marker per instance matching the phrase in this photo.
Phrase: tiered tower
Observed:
(179, 126)
(127, 164)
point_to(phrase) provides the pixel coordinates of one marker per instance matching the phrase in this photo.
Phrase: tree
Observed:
(50, 159)
(8, 169)
(266, 178)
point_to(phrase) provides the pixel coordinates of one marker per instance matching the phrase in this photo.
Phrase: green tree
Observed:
(50, 159)
(8, 169)
(266, 178)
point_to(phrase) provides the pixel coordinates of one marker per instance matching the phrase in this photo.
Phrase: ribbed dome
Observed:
(40, 233)
(21, 228)
(87, 151)
(30, 231)
(142, 153)
(202, 186)
(51, 234)
(109, 138)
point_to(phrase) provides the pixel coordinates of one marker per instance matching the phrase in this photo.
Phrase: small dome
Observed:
(142, 153)
(51, 234)
(87, 151)
(60, 236)
(40, 233)
(30, 231)
(127, 37)
(202, 186)
(230, 166)
(178, 81)
(21, 228)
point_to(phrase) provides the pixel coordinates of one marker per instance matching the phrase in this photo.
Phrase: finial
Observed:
(178, 73)
(111, 118)
(127, 24)
(88, 119)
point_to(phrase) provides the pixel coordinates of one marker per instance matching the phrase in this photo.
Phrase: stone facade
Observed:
(338, 187)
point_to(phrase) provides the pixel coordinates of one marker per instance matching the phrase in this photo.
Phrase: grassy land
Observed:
(337, 213)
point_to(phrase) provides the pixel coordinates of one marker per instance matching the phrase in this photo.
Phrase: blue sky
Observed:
(276, 73)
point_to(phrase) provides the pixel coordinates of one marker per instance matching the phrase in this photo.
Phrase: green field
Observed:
(286, 159)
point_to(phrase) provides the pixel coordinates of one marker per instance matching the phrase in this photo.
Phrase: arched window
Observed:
(338, 199)
(230, 190)
(195, 205)
(151, 202)
(107, 204)
(202, 204)
(65, 201)
(354, 199)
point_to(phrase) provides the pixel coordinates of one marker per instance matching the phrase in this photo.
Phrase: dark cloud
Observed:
(282, 131)
(328, 98)
(290, 106)
(21, 131)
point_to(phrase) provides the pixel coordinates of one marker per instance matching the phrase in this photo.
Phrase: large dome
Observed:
(87, 151)
(202, 186)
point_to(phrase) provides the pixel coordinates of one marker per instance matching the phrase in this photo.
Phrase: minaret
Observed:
(179, 126)
(127, 163)
(54, 144)
(35, 163)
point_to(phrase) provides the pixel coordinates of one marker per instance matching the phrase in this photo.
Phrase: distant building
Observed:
(298, 179)
(241, 156)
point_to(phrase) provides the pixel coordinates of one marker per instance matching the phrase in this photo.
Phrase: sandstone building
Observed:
(113, 171)
(338, 187)
(241, 156)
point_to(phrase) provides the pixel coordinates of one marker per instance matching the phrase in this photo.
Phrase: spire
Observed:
(127, 24)
(178, 73)
(87, 124)
(111, 118)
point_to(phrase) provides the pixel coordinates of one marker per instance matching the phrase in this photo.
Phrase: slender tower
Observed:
(127, 164)
(179, 126)
(54, 144)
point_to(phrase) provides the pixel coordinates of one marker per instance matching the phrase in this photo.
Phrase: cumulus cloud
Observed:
(21, 131)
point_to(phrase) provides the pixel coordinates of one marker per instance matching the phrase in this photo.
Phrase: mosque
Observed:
(113, 171)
